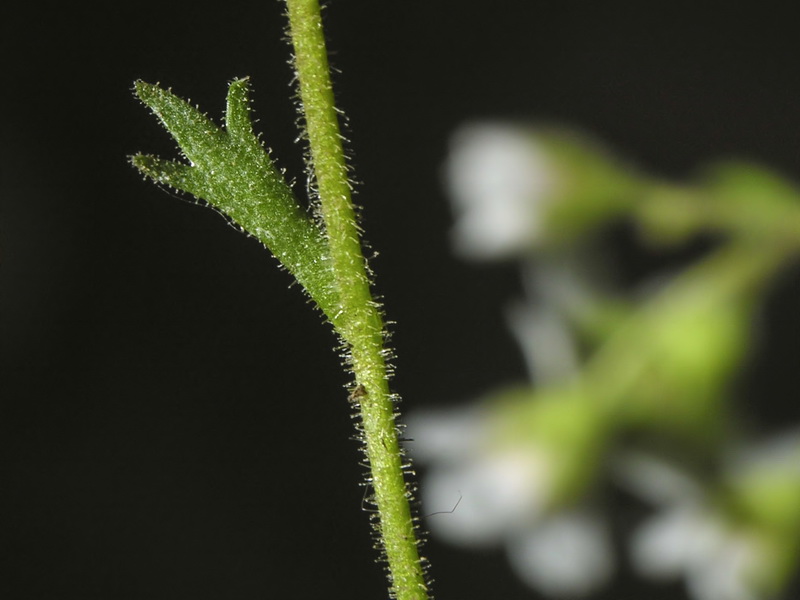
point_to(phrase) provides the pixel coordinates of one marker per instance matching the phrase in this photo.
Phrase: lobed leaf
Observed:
(232, 171)
(174, 174)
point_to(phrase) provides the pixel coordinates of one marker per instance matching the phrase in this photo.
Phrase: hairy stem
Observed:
(360, 323)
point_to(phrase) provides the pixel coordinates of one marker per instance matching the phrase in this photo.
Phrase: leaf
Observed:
(232, 171)
(174, 174)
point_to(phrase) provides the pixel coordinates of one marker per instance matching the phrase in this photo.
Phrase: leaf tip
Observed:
(138, 160)
(237, 113)
(147, 165)
(144, 90)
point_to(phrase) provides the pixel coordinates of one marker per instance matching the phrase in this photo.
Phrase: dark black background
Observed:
(173, 423)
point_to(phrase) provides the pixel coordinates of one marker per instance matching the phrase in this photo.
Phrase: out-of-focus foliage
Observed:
(628, 386)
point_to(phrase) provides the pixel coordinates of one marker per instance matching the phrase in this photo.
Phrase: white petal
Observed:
(566, 555)
(498, 179)
(655, 480)
(495, 494)
(546, 342)
(566, 280)
(495, 231)
(446, 434)
(666, 544)
(716, 560)
(724, 575)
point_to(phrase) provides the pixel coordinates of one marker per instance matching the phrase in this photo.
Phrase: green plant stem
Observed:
(360, 323)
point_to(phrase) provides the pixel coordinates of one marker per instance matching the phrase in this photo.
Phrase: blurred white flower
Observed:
(481, 493)
(495, 489)
(663, 547)
(495, 494)
(566, 279)
(567, 554)
(447, 435)
(656, 481)
(518, 472)
(545, 340)
(718, 560)
(562, 295)
(727, 567)
(719, 557)
(499, 181)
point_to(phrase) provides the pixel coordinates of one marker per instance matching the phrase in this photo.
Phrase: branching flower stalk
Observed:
(231, 171)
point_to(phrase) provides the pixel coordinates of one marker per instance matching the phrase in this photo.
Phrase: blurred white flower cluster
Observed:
(630, 388)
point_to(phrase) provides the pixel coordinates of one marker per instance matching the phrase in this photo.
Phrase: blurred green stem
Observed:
(359, 323)
(735, 201)
(729, 278)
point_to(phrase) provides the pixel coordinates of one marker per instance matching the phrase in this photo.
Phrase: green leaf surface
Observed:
(231, 170)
